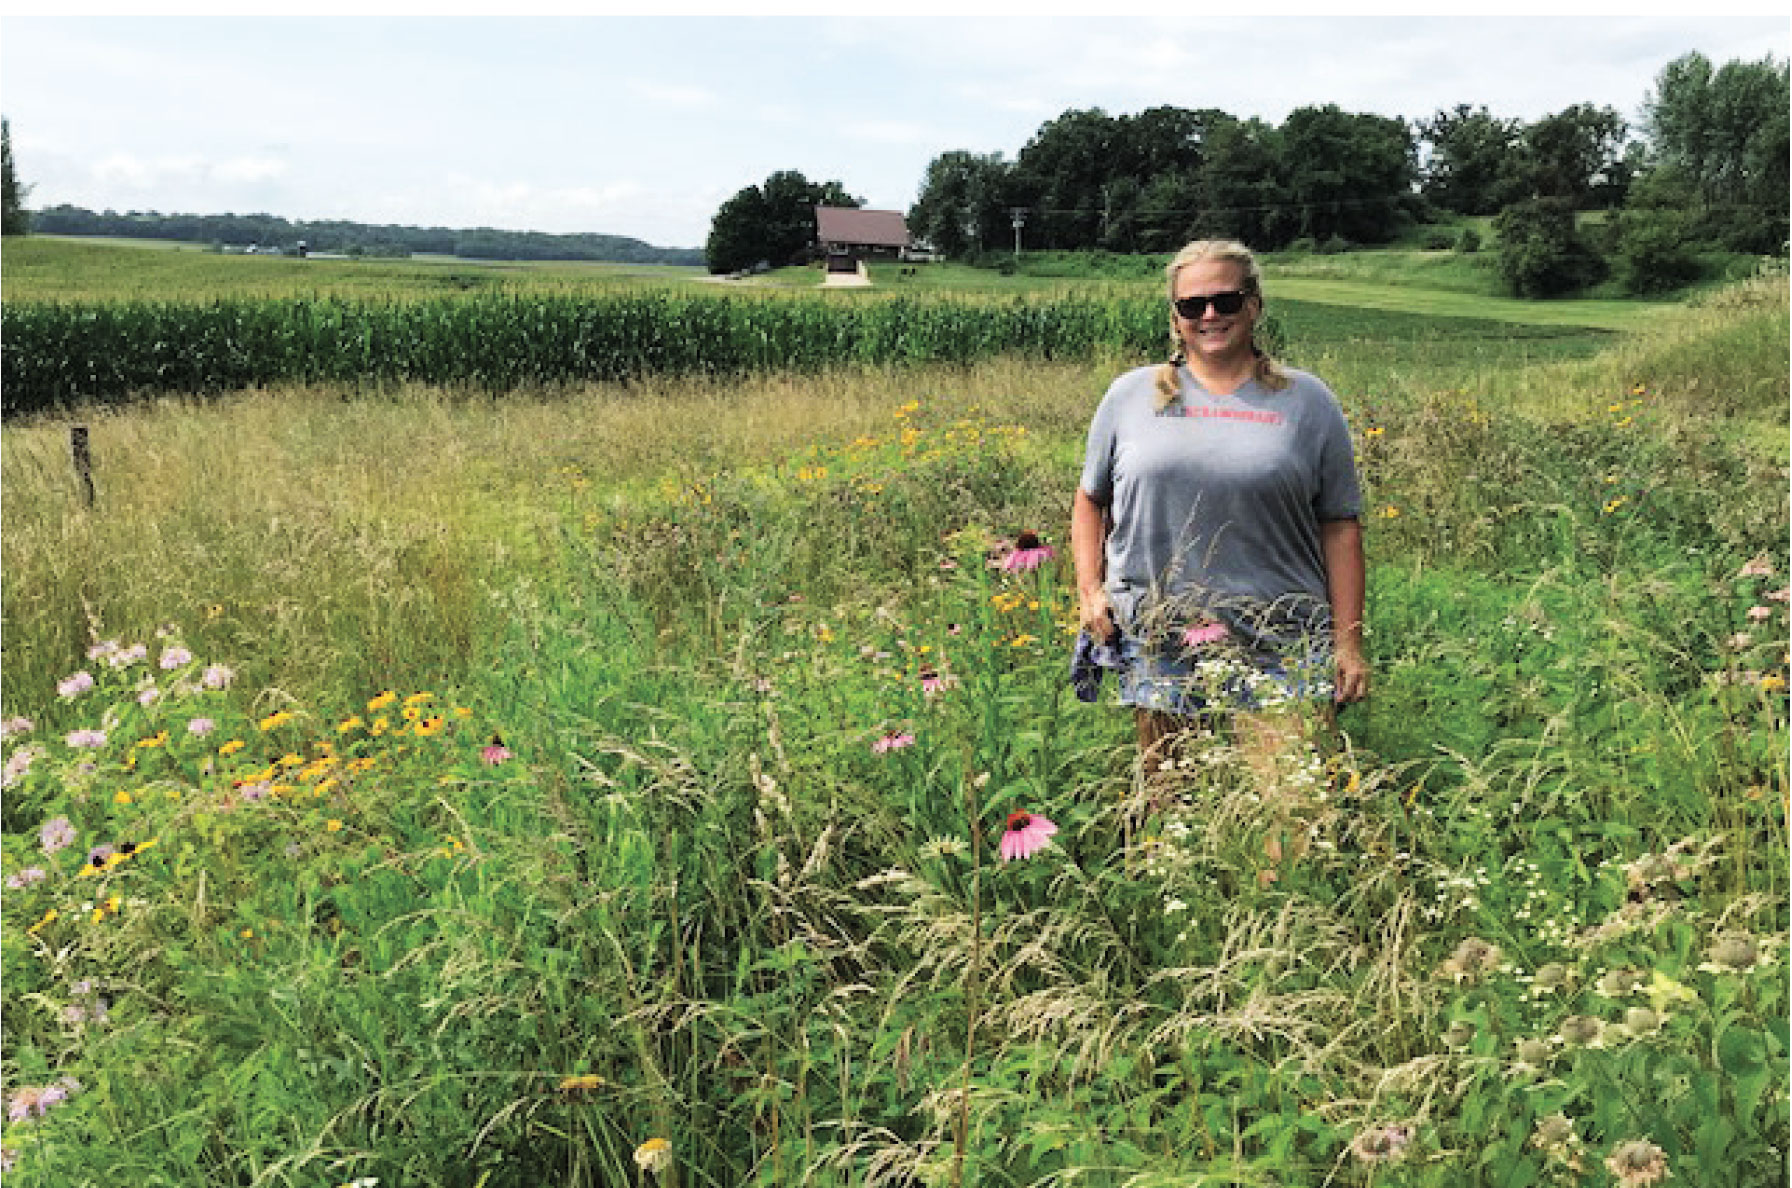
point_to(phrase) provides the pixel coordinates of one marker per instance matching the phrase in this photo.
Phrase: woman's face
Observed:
(1215, 336)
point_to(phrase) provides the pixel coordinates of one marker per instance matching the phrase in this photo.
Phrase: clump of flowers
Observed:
(1637, 1163)
(1582, 1031)
(34, 1101)
(1025, 835)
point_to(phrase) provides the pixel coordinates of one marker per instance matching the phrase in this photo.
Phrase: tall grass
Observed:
(709, 894)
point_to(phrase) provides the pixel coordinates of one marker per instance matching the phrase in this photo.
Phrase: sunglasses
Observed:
(1225, 304)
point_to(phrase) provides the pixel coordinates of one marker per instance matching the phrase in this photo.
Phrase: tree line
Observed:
(1705, 170)
(332, 235)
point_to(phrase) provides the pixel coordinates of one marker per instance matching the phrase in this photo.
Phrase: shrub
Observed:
(1437, 241)
(1542, 252)
(1469, 241)
(1653, 251)
(1332, 245)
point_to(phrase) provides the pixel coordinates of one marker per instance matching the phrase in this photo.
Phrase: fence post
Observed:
(83, 459)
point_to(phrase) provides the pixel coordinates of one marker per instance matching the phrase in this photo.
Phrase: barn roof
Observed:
(875, 227)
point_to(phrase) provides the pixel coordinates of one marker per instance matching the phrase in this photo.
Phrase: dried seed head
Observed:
(1553, 1132)
(1581, 1029)
(1738, 953)
(1637, 1163)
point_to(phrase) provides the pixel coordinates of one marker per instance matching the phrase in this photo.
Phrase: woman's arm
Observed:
(1342, 543)
(1088, 539)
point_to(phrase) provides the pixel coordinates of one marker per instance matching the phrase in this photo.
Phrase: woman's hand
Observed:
(1096, 615)
(1353, 676)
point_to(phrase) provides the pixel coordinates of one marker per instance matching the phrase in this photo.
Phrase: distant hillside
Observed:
(373, 239)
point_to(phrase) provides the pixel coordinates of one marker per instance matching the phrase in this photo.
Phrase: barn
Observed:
(847, 236)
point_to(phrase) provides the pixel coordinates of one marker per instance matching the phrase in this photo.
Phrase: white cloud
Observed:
(249, 169)
(673, 95)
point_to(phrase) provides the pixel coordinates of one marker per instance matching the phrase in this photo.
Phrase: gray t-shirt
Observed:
(1213, 505)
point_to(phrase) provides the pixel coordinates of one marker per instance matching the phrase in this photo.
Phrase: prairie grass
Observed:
(728, 879)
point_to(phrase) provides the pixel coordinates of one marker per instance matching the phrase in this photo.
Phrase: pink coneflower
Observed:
(494, 752)
(1204, 633)
(1028, 554)
(934, 681)
(1759, 567)
(56, 833)
(1778, 595)
(74, 686)
(86, 738)
(1025, 835)
(1760, 614)
(892, 741)
(175, 657)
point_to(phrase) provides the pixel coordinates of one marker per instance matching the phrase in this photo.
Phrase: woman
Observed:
(1215, 531)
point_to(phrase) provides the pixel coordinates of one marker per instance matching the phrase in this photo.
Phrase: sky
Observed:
(643, 126)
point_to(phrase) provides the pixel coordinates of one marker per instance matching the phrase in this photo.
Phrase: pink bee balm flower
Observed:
(1204, 633)
(14, 726)
(1025, 836)
(200, 727)
(86, 738)
(56, 834)
(892, 741)
(1028, 554)
(217, 677)
(494, 752)
(175, 657)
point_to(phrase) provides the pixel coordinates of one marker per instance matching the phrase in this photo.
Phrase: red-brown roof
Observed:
(881, 228)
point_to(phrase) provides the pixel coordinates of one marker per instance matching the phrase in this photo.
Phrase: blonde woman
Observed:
(1215, 531)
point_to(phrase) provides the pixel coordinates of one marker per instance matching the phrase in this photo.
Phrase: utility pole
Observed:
(1017, 215)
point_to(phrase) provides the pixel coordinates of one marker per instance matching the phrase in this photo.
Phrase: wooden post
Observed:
(83, 460)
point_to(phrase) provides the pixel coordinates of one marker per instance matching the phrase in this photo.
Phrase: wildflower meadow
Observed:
(680, 783)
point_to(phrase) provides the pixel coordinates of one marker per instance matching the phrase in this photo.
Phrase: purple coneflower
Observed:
(494, 752)
(934, 681)
(1025, 835)
(1028, 554)
(74, 686)
(56, 833)
(892, 741)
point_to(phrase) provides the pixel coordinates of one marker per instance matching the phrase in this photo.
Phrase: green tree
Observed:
(1060, 175)
(1472, 163)
(1243, 184)
(1574, 153)
(1349, 175)
(773, 222)
(1726, 132)
(963, 205)
(14, 218)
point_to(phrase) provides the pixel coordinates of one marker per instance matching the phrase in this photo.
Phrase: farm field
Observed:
(602, 782)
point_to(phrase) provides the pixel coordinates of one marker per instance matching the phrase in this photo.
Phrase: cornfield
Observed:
(59, 354)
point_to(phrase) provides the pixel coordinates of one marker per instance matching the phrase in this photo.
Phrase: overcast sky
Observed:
(643, 126)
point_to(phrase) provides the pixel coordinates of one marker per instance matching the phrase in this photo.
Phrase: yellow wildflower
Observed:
(1390, 512)
(581, 1082)
(332, 826)
(49, 918)
(382, 701)
(419, 698)
(430, 726)
(156, 740)
(231, 747)
(379, 727)
(1772, 683)
(348, 724)
(274, 721)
